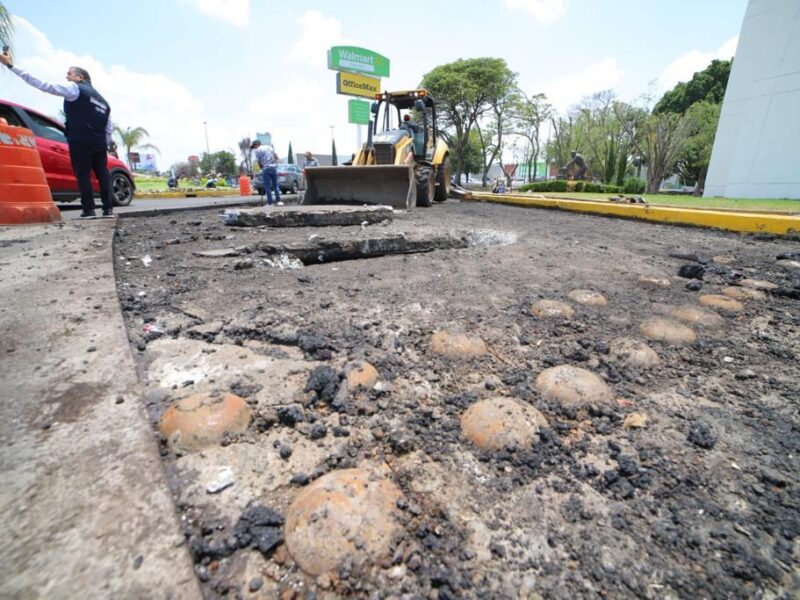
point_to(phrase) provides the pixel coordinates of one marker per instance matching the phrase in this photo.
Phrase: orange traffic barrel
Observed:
(24, 194)
(244, 186)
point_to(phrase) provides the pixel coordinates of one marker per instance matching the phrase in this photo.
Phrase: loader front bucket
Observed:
(387, 185)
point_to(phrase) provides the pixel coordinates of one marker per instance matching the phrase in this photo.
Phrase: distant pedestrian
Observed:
(268, 161)
(89, 131)
(308, 161)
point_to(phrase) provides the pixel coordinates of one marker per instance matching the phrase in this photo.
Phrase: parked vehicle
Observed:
(51, 142)
(290, 179)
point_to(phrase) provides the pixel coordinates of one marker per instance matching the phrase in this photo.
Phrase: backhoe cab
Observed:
(403, 164)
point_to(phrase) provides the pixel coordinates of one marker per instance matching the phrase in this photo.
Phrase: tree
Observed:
(611, 163)
(473, 158)
(529, 114)
(700, 101)
(132, 137)
(505, 96)
(692, 164)
(334, 160)
(206, 163)
(707, 85)
(596, 130)
(290, 155)
(622, 165)
(561, 142)
(463, 91)
(224, 163)
(184, 170)
(247, 154)
(6, 26)
(658, 138)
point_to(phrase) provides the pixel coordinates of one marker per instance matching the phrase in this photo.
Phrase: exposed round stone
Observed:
(654, 281)
(744, 293)
(573, 387)
(696, 316)
(634, 353)
(361, 374)
(552, 309)
(789, 265)
(347, 513)
(667, 330)
(720, 302)
(589, 297)
(724, 260)
(456, 345)
(501, 422)
(203, 420)
(758, 284)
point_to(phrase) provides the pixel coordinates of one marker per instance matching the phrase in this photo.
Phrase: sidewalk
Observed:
(85, 511)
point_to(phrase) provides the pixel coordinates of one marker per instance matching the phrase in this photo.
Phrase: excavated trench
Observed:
(499, 403)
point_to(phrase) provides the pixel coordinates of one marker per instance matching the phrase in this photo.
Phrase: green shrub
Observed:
(633, 185)
(580, 186)
(555, 185)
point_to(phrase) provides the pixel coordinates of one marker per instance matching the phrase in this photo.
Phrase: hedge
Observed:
(560, 185)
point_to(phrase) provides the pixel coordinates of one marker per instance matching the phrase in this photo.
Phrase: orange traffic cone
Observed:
(244, 186)
(24, 194)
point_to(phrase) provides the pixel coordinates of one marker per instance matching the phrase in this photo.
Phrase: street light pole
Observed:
(208, 152)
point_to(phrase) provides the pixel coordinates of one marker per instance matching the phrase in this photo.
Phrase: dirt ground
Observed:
(695, 496)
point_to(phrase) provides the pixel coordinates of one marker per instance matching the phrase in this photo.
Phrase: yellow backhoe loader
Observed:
(403, 164)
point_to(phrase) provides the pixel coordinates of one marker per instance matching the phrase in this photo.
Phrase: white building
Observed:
(756, 152)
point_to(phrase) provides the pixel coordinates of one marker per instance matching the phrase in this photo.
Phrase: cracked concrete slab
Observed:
(85, 510)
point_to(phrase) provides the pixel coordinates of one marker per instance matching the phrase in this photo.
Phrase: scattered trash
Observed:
(284, 261)
(224, 479)
(146, 260)
(152, 328)
(628, 199)
(637, 420)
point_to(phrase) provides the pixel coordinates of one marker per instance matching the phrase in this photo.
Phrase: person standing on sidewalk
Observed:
(89, 131)
(268, 161)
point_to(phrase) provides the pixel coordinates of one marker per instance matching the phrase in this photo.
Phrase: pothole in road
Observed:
(318, 250)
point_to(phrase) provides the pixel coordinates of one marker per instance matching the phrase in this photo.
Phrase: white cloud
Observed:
(165, 108)
(683, 67)
(236, 12)
(317, 34)
(602, 75)
(297, 115)
(544, 11)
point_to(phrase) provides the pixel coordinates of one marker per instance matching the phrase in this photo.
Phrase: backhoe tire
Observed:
(425, 186)
(443, 176)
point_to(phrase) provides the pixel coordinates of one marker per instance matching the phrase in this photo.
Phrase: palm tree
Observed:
(131, 137)
(6, 26)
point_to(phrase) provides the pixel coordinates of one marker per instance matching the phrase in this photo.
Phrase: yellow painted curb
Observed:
(751, 222)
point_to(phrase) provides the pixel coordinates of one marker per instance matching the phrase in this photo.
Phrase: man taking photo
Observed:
(88, 131)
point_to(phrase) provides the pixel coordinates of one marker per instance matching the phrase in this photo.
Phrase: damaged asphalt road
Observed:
(662, 464)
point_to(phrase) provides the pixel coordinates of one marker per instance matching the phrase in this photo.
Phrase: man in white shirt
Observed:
(89, 131)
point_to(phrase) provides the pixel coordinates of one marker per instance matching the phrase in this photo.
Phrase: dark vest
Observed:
(87, 117)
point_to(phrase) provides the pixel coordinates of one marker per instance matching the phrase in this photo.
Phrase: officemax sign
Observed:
(351, 84)
(358, 60)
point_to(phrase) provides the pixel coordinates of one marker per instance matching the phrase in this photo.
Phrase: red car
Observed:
(54, 152)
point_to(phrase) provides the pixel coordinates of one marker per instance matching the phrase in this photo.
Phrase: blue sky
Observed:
(255, 65)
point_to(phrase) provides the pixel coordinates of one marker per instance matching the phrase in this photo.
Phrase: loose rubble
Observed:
(441, 423)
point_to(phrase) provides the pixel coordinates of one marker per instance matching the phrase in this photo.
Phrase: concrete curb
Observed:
(740, 221)
(85, 511)
(197, 194)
